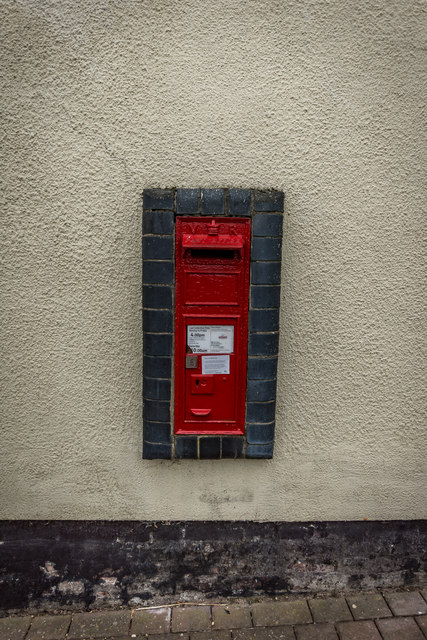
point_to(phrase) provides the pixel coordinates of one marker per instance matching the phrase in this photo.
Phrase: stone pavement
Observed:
(398, 615)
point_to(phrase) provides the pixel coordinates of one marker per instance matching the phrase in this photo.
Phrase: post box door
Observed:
(212, 288)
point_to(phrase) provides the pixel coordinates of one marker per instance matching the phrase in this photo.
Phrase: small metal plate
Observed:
(191, 362)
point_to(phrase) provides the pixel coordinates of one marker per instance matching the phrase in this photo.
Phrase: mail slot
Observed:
(211, 315)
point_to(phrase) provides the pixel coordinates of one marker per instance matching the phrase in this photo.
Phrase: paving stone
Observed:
(191, 619)
(49, 628)
(151, 621)
(166, 636)
(209, 635)
(266, 614)
(406, 604)
(424, 594)
(422, 623)
(232, 617)
(264, 633)
(322, 631)
(399, 628)
(99, 624)
(329, 610)
(361, 630)
(14, 628)
(372, 605)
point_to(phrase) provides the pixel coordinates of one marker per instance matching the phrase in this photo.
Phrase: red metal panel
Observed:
(211, 324)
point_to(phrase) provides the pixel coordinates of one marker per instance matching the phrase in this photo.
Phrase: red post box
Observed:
(212, 292)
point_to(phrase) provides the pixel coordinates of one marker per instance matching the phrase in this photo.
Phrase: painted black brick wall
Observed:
(160, 207)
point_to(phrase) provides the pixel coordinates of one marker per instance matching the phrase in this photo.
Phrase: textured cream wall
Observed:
(320, 98)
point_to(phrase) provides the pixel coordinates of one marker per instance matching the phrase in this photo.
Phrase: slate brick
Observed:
(259, 451)
(264, 320)
(260, 433)
(209, 447)
(265, 272)
(266, 224)
(49, 628)
(158, 199)
(212, 201)
(156, 320)
(156, 451)
(265, 297)
(260, 390)
(231, 617)
(268, 200)
(266, 248)
(159, 222)
(260, 411)
(157, 388)
(399, 628)
(263, 344)
(264, 633)
(157, 297)
(362, 630)
(157, 344)
(187, 200)
(232, 447)
(157, 247)
(406, 603)
(98, 624)
(322, 631)
(239, 202)
(367, 606)
(329, 610)
(191, 619)
(151, 621)
(186, 447)
(157, 272)
(155, 411)
(262, 368)
(157, 432)
(266, 614)
(157, 366)
(14, 628)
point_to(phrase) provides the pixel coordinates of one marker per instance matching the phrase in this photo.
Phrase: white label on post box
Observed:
(210, 338)
(215, 364)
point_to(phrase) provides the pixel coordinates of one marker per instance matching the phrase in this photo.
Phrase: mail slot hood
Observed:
(206, 241)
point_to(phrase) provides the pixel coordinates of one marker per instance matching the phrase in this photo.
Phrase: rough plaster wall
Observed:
(320, 98)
